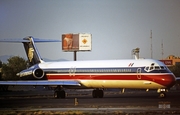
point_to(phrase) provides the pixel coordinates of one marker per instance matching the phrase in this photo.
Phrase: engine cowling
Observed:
(38, 73)
(31, 74)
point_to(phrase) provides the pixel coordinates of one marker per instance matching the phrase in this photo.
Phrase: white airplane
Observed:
(128, 73)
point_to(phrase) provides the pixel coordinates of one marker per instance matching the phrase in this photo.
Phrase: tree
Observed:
(12, 67)
(0, 64)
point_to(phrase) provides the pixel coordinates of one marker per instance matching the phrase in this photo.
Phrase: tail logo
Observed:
(30, 54)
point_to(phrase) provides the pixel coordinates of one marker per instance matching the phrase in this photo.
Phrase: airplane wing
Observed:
(41, 82)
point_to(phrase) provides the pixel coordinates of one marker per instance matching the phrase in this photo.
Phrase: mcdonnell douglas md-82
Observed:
(98, 75)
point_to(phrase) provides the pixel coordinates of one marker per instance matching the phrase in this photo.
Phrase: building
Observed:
(171, 60)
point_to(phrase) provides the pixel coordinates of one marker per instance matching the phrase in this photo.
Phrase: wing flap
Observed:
(41, 82)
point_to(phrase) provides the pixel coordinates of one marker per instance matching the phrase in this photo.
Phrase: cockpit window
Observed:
(151, 68)
(157, 68)
(146, 68)
(162, 67)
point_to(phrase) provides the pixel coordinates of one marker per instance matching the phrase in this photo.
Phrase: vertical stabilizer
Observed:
(31, 51)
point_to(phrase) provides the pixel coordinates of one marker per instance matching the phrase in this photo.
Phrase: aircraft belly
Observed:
(140, 84)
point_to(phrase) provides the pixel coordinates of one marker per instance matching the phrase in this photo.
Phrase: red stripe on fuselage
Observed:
(167, 80)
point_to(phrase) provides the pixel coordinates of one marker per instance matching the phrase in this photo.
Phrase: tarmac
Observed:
(114, 102)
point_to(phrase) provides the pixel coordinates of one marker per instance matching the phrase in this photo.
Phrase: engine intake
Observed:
(38, 73)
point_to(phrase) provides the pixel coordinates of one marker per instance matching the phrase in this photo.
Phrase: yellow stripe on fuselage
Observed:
(138, 84)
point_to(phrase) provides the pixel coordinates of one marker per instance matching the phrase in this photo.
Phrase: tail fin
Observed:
(31, 51)
(30, 48)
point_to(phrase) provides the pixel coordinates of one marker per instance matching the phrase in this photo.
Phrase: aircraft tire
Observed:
(94, 94)
(56, 95)
(162, 95)
(60, 94)
(100, 93)
(97, 94)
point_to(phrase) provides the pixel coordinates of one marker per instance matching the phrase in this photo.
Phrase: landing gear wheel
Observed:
(94, 94)
(101, 94)
(162, 95)
(56, 94)
(60, 94)
(97, 93)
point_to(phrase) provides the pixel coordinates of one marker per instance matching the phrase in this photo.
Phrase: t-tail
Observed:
(31, 51)
(30, 48)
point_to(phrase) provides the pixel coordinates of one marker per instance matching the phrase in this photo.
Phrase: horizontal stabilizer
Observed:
(40, 82)
(14, 40)
(21, 40)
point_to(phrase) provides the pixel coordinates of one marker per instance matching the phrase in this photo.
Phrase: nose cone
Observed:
(168, 80)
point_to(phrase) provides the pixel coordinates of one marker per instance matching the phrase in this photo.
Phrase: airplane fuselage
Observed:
(142, 74)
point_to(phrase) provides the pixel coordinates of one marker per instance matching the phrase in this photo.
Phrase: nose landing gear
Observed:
(162, 93)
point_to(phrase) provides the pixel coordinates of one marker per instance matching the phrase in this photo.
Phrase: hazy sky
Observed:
(117, 26)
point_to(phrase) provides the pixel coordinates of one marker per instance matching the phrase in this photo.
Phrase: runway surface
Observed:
(130, 101)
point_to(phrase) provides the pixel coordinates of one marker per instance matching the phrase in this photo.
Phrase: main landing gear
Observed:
(59, 92)
(98, 93)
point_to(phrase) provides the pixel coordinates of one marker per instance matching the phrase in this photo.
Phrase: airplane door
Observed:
(139, 73)
(72, 71)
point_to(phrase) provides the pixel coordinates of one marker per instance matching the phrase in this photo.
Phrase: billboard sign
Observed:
(76, 42)
(167, 62)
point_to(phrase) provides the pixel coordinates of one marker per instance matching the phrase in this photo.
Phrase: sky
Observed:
(117, 27)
